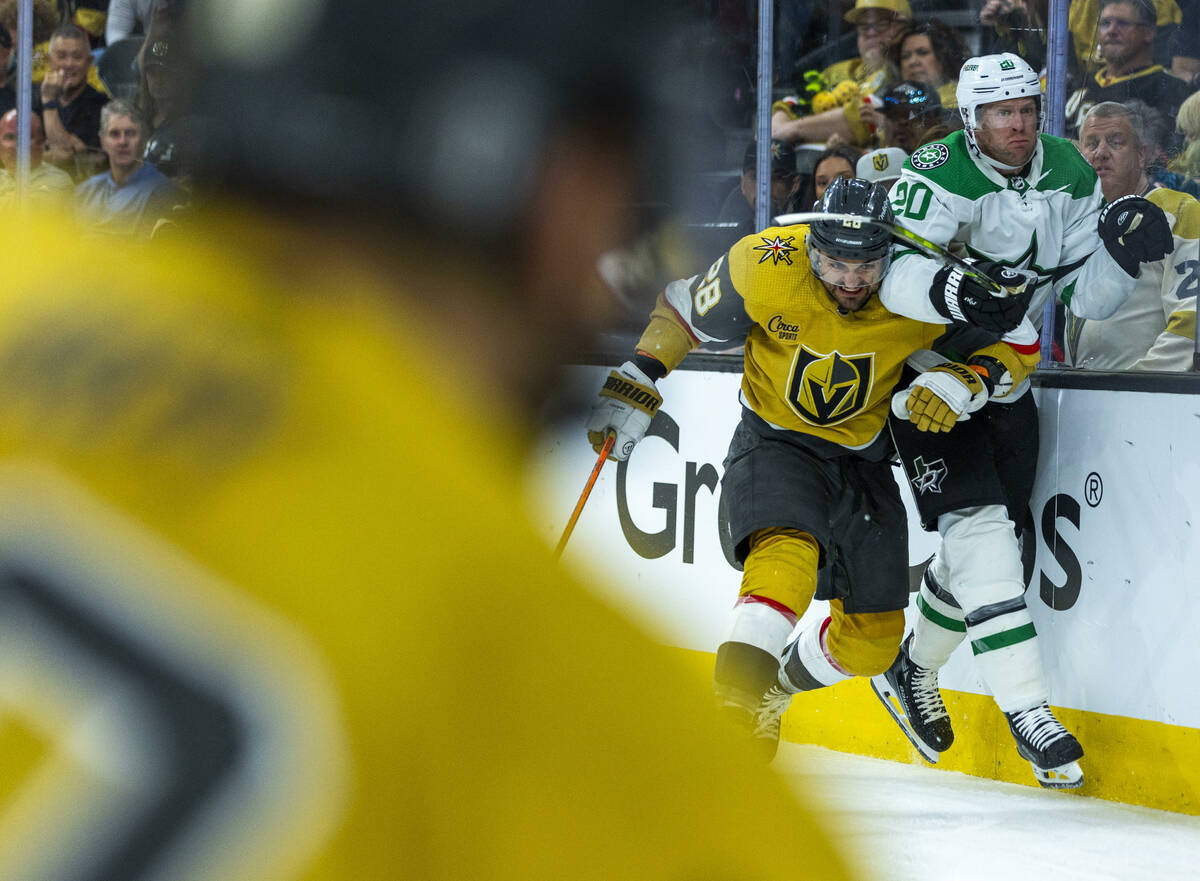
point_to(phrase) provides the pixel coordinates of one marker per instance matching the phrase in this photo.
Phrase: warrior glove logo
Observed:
(632, 393)
(825, 389)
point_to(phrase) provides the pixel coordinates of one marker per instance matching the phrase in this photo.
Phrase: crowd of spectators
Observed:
(104, 147)
(868, 82)
(858, 83)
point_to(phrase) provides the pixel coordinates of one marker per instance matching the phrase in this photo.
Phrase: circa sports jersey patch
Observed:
(777, 249)
(930, 156)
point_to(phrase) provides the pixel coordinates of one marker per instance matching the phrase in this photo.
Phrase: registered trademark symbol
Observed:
(1093, 489)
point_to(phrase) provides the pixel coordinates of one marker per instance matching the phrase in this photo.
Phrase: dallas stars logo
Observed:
(1025, 261)
(777, 249)
(929, 477)
(930, 156)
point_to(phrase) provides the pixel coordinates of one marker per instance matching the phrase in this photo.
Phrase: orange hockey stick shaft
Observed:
(587, 491)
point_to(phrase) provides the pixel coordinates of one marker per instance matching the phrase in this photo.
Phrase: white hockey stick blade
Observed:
(1068, 776)
(922, 244)
(891, 702)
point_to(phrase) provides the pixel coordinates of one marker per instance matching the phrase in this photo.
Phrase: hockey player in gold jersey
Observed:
(808, 479)
(269, 606)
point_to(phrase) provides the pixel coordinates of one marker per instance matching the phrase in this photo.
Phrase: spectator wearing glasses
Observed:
(1155, 328)
(877, 23)
(1082, 22)
(1125, 32)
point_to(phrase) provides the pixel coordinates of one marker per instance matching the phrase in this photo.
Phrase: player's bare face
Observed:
(1110, 146)
(849, 283)
(1008, 130)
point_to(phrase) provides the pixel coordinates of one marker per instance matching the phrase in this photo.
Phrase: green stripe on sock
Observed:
(1003, 639)
(938, 618)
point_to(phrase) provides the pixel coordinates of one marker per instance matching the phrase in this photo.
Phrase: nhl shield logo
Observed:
(880, 161)
(825, 389)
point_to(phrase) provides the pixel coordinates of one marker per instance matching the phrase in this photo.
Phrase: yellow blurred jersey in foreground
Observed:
(269, 607)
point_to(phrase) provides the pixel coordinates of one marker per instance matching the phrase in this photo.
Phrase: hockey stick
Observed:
(587, 491)
(922, 244)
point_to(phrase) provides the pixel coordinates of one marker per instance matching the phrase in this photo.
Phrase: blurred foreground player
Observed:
(269, 608)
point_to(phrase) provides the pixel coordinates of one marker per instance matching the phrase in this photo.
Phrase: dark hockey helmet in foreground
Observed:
(843, 239)
(436, 113)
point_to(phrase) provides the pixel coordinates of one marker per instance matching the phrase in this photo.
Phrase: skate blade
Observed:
(1068, 776)
(883, 691)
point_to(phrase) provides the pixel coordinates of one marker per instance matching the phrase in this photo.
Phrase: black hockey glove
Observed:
(1135, 231)
(958, 296)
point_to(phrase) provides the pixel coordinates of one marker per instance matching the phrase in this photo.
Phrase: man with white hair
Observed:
(1155, 329)
(1027, 208)
(130, 197)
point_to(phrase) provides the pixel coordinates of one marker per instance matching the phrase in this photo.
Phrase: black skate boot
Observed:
(910, 693)
(768, 716)
(760, 718)
(1050, 748)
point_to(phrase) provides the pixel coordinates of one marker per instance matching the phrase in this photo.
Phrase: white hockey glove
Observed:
(1135, 231)
(627, 403)
(958, 296)
(941, 396)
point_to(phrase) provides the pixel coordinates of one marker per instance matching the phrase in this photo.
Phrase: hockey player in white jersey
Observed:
(1030, 211)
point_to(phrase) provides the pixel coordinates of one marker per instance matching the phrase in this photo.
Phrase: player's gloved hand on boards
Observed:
(628, 401)
(1135, 231)
(941, 396)
(958, 296)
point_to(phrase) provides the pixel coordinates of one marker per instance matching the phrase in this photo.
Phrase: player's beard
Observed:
(847, 301)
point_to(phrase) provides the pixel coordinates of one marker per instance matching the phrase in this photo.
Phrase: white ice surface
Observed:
(899, 822)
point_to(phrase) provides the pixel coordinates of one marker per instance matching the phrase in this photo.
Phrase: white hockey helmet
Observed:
(986, 79)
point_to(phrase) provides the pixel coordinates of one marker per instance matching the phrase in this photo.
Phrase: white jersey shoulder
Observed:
(1043, 220)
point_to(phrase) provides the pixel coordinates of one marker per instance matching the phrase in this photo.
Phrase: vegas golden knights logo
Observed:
(825, 389)
(880, 161)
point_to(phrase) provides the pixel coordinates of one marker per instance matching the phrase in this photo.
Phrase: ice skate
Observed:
(1049, 747)
(760, 718)
(768, 716)
(910, 693)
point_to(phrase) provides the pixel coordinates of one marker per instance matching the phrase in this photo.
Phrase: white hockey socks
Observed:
(807, 663)
(938, 626)
(748, 660)
(981, 561)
